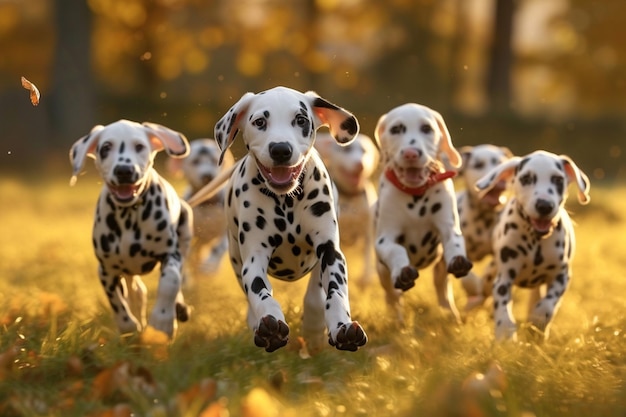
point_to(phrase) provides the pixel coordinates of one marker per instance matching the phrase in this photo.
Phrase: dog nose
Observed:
(411, 154)
(280, 152)
(124, 174)
(544, 207)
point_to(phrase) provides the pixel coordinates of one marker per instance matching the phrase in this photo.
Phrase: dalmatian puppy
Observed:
(534, 238)
(416, 214)
(477, 215)
(351, 168)
(281, 215)
(210, 242)
(139, 221)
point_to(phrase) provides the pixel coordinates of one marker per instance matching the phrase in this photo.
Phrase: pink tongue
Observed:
(124, 191)
(281, 175)
(542, 225)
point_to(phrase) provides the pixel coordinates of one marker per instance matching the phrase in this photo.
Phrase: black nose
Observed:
(544, 207)
(124, 174)
(280, 152)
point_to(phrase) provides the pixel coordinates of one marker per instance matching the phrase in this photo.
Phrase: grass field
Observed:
(61, 356)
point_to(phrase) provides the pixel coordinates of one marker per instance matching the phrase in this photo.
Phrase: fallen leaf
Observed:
(156, 341)
(197, 395)
(34, 91)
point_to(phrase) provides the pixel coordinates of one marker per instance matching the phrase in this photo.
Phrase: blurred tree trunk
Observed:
(71, 101)
(501, 57)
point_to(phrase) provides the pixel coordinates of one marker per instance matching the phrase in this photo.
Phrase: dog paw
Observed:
(407, 278)
(350, 337)
(460, 266)
(271, 334)
(183, 311)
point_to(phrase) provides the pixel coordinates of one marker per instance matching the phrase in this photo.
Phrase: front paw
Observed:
(271, 334)
(460, 266)
(349, 337)
(407, 278)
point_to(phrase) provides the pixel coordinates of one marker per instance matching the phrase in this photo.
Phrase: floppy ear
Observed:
(371, 149)
(574, 174)
(342, 124)
(504, 171)
(324, 143)
(466, 154)
(82, 148)
(228, 126)
(161, 137)
(445, 144)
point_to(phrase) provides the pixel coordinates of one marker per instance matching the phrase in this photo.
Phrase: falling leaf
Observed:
(34, 92)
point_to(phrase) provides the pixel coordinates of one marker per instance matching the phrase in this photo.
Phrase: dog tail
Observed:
(209, 190)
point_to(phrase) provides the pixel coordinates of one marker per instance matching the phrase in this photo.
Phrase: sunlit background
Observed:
(527, 74)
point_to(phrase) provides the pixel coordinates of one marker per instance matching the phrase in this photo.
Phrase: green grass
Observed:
(54, 314)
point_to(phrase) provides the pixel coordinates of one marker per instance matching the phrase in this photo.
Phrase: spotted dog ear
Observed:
(381, 126)
(161, 137)
(228, 126)
(342, 124)
(504, 171)
(574, 174)
(445, 144)
(82, 148)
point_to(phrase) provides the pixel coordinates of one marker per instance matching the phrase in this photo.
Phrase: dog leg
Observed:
(547, 306)
(313, 323)
(445, 295)
(137, 294)
(212, 263)
(395, 258)
(115, 289)
(165, 309)
(343, 333)
(270, 330)
(503, 315)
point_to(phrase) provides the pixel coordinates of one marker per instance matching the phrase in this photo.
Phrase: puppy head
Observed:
(412, 138)
(201, 165)
(124, 152)
(278, 127)
(478, 161)
(539, 183)
(352, 165)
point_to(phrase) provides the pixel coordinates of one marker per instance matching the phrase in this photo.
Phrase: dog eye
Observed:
(105, 148)
(557, 180)
(260, 123)
(479, 165)
(397, 129)
(139, 147)
(301, 120)
(426, 128)
(526, 179)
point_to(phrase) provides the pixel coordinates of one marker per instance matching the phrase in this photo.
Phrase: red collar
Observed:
(433, 178)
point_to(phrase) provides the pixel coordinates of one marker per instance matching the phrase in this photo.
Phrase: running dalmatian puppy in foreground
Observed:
(477, 215)
(282, 216)
(139, 222)
(200, 167)
(416, 214)
(534, 238)
(351, 168)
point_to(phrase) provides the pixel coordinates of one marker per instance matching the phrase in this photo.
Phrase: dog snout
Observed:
(206, 178)
(411, 154)
(280, 152)
(125, 174)
(544, 207)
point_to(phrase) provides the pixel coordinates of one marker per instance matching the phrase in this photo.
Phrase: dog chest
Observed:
(132, 239)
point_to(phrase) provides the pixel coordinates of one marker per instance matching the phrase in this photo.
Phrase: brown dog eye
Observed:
(426, 128)
(139, 147)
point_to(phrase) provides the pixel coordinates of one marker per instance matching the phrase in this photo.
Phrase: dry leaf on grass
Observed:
(258, 403)
(34, 91)
(156, 341)
(197, 396)
(123, 379)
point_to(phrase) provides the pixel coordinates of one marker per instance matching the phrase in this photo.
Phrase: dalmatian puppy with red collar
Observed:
(534, 238)
(200, 167)
(139, 221)
(416, 220)
(351, 168)
(282, 216)
(477, 215)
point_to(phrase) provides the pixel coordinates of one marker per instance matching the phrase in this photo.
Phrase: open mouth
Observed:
(412, 176)
(124, 193)
(542, 226)
(281, 178)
